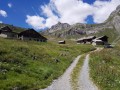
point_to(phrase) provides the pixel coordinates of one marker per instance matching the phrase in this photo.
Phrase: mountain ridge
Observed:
(65, 30)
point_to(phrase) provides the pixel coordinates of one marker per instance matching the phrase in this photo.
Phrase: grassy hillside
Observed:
(14, 28)
(111, 33)
(33, 65)
(105, 68)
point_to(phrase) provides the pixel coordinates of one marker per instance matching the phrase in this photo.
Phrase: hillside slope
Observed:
(14, 28)
(33, 65)
(105, 68)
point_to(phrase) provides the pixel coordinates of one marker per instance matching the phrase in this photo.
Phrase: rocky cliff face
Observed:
(66, 30)
(114, 19)
(59, 26)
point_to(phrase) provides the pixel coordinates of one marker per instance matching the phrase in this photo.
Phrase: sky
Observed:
(42, 14)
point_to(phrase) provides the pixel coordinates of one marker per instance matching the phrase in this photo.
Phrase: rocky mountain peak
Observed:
(118, 8)
(59, 23)
(114, 19)
(115, 13)
(59, 26)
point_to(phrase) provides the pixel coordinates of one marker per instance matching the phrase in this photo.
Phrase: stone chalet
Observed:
(62, 42)
(86, 40)
(31, 34)
(6, 32)
(103, 40)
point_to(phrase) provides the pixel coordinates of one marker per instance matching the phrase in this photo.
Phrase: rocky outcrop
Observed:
(114, 19)
(116, 23)
(59, 26)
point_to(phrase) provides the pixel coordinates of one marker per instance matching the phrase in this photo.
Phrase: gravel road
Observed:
(63, 82)
(85, 82)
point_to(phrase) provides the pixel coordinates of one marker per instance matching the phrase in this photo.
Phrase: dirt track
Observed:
(63, 82)
(85, 82)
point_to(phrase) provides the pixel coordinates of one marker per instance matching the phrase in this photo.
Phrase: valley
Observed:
(35, 64)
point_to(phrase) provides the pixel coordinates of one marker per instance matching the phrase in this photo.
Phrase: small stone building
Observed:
(62, 42)
(103, 40)
(97, 42)
(6, 32)
(86, 40)
(31, 34)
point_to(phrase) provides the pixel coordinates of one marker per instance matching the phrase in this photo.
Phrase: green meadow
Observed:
(105, 68)
(29, 65)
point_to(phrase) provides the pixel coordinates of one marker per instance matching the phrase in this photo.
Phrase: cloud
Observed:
(9, 5)
(102, 9)
(52, 19)
(75, 11)
(1, 22)
(35, 21)
(3, 13)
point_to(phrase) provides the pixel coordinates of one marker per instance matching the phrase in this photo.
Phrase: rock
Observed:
(57, 60)
(59, 26)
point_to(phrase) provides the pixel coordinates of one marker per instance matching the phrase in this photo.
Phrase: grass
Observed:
(105, 68)
(111, 33)
(76, 72)
(34, 65)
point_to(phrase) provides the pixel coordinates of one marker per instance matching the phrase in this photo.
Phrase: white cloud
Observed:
(3, 13)
(1, 22)
(102, 9)
(75, 11)
(51, 18)
(10, 5)
(35, 21)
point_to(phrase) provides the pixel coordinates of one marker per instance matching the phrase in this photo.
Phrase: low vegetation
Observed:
(76, 72)
(105, 68)
(111, 33)
(33, 65)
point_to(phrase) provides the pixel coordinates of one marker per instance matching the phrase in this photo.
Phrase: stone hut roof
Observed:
(31, 33)
(6, 29)
(86, 38)
(102, 37)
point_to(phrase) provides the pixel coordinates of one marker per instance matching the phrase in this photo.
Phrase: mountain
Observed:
(112, 24)
(114, 19)
(59, 26)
